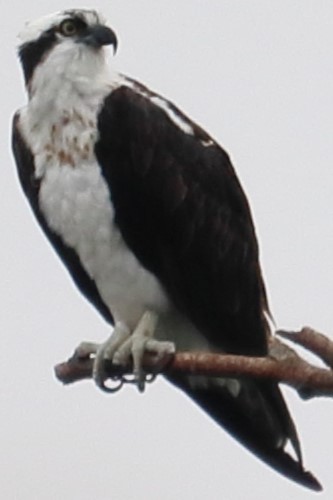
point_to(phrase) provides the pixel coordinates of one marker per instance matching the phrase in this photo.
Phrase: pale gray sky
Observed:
(259, 76)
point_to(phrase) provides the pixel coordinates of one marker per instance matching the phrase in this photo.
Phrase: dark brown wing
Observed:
(183, 213)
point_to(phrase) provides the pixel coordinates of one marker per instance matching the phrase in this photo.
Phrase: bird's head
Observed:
(68, 37)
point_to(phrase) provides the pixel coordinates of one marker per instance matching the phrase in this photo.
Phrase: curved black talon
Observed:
(129, 379)
(107, 388)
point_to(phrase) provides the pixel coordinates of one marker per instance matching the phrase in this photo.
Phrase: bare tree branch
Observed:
(283, 364)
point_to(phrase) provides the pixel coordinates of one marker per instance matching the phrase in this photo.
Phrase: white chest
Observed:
(76, 203)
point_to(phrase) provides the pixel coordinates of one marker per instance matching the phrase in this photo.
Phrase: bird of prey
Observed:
(146, 212)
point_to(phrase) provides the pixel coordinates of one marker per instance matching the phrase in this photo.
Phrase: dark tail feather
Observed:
(257, 417)
(282, 462)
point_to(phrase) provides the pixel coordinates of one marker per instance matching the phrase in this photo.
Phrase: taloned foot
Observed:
(105, 352)
(122, 347)
(140, 342)
(101, 352)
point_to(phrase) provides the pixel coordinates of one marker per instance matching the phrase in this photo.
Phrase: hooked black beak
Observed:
(99, 35)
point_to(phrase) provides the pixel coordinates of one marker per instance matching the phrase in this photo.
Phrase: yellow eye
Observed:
(68, 27)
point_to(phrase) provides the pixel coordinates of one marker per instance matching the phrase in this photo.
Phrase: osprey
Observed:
(146, 212)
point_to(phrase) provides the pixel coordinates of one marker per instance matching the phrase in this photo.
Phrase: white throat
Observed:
(70, 70)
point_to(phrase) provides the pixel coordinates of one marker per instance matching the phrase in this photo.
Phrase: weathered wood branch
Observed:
(283, 364)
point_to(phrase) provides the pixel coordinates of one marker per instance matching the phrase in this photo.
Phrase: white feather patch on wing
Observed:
(175, 117)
